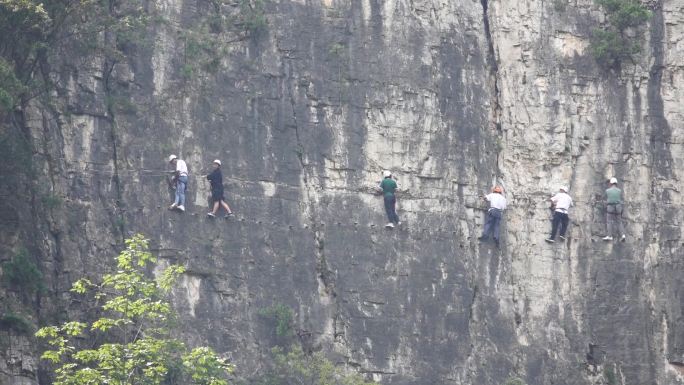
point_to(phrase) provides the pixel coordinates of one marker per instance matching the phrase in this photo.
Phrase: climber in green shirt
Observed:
(614, 212)
(388, 187)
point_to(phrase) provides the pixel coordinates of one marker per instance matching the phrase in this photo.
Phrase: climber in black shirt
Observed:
(216, 179)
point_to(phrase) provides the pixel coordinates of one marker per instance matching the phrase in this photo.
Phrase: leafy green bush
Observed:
(17, 154)
(23, 25)
(560, 5)
(610, 47)
(623, 14)
(10, 86)
(15, 322)
(336, 49)
(612, 44)
(609, 375)
(132, 341)
(283, 317)
(294, 366)
(253, 15)
(22, 274)
(514, 381)
(51, 201)
(120, 104)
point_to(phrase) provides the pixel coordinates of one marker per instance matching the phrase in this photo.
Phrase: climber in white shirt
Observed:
(180, 177)
(497, 204)
(561, 204)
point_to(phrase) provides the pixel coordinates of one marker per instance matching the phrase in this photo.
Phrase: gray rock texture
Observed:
(452, 96)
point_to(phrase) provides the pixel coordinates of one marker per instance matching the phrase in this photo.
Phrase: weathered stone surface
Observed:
(452, 97)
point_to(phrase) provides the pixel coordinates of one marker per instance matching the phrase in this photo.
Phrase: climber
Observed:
(180, 176)
(561, 203)
(614, 211)
(497, 204)
(216, 180)
(388, 187)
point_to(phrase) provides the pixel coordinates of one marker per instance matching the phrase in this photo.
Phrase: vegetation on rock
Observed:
(294, 366)
(253, 15)
(514, 381)
(620, 38)
(282, 316)
(290, 364)
(131, 340)
(22, 274)
(16, 323)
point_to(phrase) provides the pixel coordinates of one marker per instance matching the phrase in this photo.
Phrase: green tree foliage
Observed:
(33, 31)
(514, 381)
(22, 274)
(290, 364)
(623, 14)
(15, 323)
(282, 316)
(620, 38)
(253, 15)
(10, 87)
(609, 375)
(23, 27)
(131, 342)
(294, 366)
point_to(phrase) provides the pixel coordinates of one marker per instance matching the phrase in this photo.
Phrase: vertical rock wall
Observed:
(450, 96)
(567, 122)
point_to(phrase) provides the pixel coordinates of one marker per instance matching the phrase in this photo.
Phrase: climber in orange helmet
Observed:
(497, 204)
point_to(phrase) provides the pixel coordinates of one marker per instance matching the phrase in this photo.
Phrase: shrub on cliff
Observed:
(620, 38)
(294, 366)
(290, 364)
(131, 342)
(22, 274)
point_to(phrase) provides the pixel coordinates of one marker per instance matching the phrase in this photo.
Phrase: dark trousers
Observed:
(390, 204)
(559, 219)
(614, 220)
(492, 224)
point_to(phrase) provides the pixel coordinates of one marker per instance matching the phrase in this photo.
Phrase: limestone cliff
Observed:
(305, 111)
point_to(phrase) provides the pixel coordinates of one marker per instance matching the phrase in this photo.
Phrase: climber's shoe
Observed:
(562, 237)
(390, 225)
(173, 206)
(549, 240)
(607, 238)
(623, 238)
(181, 208)
(211, 215)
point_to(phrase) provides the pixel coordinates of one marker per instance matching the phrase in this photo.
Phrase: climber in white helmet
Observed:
(388, 186)
(614, 208)
(180, 177)
(216, 180)
(561, 204)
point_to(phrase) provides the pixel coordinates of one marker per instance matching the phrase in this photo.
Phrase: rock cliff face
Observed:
(452, 96)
